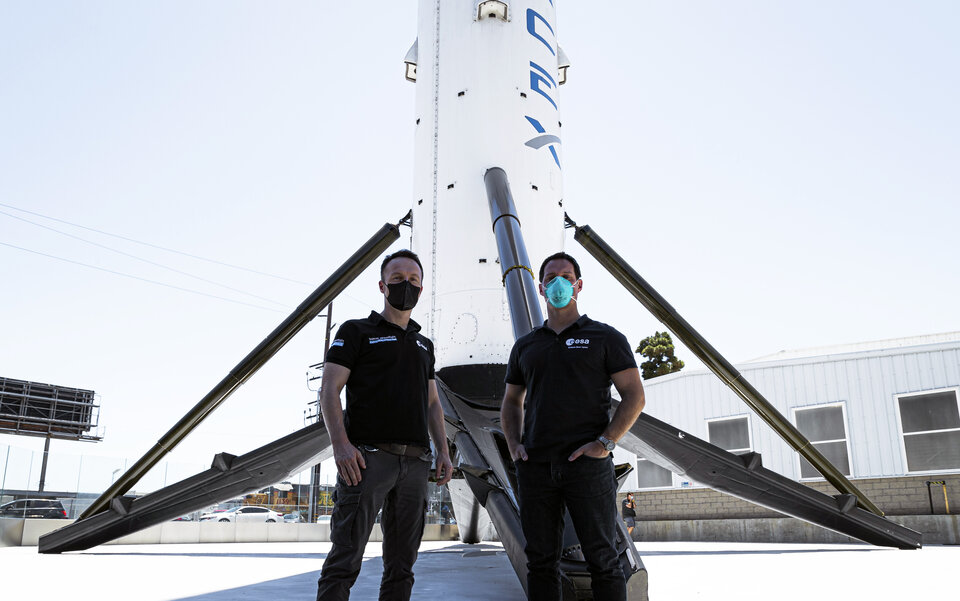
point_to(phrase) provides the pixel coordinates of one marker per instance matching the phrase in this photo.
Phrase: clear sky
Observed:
(784, 173)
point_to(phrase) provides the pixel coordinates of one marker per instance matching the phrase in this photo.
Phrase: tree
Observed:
(658, 349)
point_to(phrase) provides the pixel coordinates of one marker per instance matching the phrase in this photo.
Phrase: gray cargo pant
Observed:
(398, 484)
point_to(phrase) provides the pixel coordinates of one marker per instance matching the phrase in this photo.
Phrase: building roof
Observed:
(860, 347)
(821, 352)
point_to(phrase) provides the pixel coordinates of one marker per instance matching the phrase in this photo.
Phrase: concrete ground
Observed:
(450, 571)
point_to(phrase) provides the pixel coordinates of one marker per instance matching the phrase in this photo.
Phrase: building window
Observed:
(825, 427)
(651, 475)
(930, 423)
(730, 434)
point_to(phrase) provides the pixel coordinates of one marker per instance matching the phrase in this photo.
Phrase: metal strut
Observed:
(263, 352)
(722, 368)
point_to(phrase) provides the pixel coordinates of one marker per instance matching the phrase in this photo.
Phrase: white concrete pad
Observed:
(740, 572)
(454, 572)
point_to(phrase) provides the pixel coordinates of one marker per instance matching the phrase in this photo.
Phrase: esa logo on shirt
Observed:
(578, 343)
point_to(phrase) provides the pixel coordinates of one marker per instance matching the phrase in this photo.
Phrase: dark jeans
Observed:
(588, 489)
(398, 484)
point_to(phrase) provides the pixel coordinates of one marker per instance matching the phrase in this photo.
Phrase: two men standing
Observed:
(555, 417)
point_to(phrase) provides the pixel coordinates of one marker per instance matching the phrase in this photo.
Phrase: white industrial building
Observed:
(876, 410)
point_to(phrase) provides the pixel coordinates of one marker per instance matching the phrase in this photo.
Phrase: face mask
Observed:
(403, 296)
(559, 292)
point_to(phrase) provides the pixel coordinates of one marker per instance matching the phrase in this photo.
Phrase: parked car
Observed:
(245, 513)
(33, 508)
(206, 515)
(293, 518)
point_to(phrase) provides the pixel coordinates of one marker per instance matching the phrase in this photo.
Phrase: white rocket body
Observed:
(486, 96)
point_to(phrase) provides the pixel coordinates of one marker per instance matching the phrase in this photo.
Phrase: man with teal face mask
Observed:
(559, 292)
(555, 417)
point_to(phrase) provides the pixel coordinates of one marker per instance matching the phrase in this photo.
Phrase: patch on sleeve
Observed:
(337, 342)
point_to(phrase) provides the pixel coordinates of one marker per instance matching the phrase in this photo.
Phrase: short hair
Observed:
(400, 254)
(565, 257)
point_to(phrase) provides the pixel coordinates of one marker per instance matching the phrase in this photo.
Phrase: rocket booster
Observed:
(487, 75)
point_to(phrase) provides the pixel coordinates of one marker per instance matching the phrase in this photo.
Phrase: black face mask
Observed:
(403, 296)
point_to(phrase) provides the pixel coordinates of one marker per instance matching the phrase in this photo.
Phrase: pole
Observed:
(79, 473)
(3, 483)
(315, 470)
(311, 496)
(30, 470)
(43, 464)
(326, 349)
(518, 277)
(723, 369)
(282, 334)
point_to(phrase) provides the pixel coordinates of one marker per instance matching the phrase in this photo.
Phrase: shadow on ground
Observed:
(318, 556)
(463, 573)
(760, 551)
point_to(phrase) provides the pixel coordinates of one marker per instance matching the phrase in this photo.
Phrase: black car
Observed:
(33, 508)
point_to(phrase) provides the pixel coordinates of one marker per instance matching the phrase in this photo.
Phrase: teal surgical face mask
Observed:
(559, 292)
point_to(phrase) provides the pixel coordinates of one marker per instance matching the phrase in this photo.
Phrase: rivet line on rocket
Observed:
(436, 162)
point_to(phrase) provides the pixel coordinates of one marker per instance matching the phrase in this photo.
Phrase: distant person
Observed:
(628, 511)
(555, 416)
(380, 443)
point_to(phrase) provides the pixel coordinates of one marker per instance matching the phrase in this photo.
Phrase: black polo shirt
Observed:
(567, 377)
(387, 389)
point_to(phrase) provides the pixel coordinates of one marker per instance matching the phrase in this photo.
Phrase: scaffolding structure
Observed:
(49, 411)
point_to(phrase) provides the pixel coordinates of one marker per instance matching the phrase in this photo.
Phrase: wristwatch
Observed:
(608, 444)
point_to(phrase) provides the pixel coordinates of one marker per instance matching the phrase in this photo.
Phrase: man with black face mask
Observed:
(380, 443)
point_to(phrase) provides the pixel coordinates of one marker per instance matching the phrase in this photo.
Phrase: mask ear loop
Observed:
(573, 298)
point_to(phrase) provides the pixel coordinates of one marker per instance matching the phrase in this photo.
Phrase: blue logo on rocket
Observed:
(542, 83)
(545, 139)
